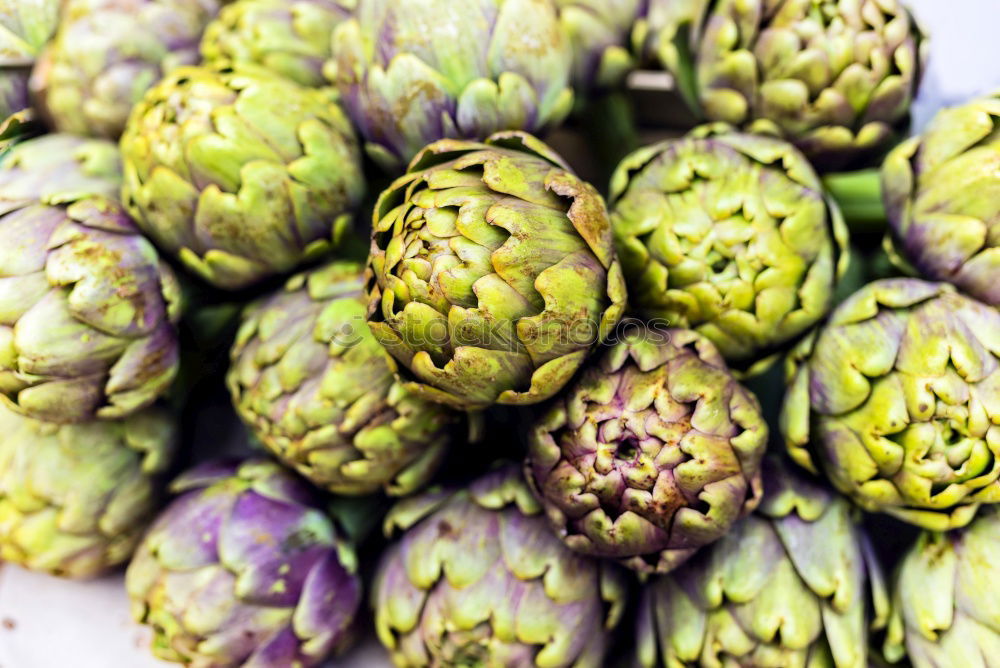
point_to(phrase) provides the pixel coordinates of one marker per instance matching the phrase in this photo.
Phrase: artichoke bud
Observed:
(244, 568)
(477, 578)
(894, 400)
(317, 389)
(653, 453)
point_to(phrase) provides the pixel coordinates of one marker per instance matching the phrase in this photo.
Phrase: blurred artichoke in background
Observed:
(651, 454)
(243, 569)
(598, 31)
(415, 71)
(291, 38)
(495, 273)
(75, 499)
(836, 78)
(730, 235)
(945, 599)
(107, 53)
(25, 27)
(240, 172)
(942, 196)
(87, 308)
(478, 579)
(316, 387)
(794, 584)
(897, 400)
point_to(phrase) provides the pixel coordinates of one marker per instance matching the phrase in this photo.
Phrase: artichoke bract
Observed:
(107, 53)
(415, 71)
(942, 196)
(897, 400)
(598, 31)
(240, 172)
(244, 569)
(75, 499)
(290, 38)
(317, 388)
(653, 453)
(477, 579)
(944, 598)
(794, 584)
(730, 235)
(87, 307)
(494, 272)
(836, 78)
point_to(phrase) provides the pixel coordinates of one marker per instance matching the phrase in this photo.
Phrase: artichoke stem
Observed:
(859, 195)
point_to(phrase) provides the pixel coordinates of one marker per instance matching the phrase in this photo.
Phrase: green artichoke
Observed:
(316, 387)
(25, 27)
(289, 38)
(494, 272)
(75, 499)
(794, 584)
(653, 453)
(243, 569)
(834, 77)
(598, 31)
(415, 71)
(732, 236)
(944, 607)
(477, 579)
(242, 173)
(942, 197)
(87, 308)
(107, 53)
(897, 400)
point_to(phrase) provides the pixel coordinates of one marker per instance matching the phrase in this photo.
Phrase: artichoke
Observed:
(289, 38)
(732, 236)
(107, 53)
(243, 569)
(836, 78)
(87, 308)
(494, 272)
(944, 599)
(415, 71)
(598, 31)
(794, 584)
(316, 387)
(477, 579)
(897, 400)
(75, 499)
(651, 454)
(241, 173)
(25, 27)
(942, 197)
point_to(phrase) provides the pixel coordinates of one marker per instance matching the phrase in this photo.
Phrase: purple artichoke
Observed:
(793, 584)
(653, 453)
(835, 78)
(495, 273)
(315, 386)
(477, 579)
(897, 400)
(415, 71)
(87, 308)
(942, 197)
(105, 55)
(244, 569)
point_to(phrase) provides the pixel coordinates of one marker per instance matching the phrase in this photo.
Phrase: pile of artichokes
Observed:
(693, 416)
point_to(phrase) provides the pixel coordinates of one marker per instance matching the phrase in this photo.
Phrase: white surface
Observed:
(47, 623)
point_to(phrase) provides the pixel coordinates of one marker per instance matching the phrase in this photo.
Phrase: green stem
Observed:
(859, 195)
